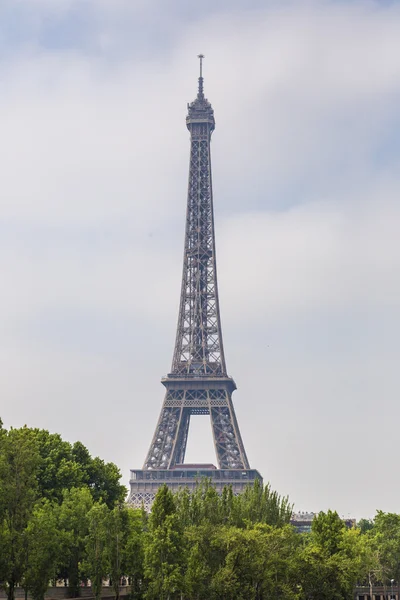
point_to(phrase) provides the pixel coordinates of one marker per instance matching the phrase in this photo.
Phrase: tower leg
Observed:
(228, 442)
(178, 455)
(161, 449)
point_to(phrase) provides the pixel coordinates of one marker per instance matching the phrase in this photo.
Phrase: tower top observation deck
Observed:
(200, 110)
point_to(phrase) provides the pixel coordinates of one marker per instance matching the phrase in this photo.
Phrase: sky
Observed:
(306, 156)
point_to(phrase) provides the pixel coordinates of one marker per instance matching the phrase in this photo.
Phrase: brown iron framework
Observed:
(198, 383)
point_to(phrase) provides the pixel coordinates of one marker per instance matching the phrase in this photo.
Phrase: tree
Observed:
(163, 556)
(103, 481)
(37, 466)
(258, 563)
(203, 558)
(239, 567)
(258, 504)
(96, 562)
(120, 531)
(19, 460)
(65, 466)
(385, 545)
(327, 531)
(365, 525)
(369, 556)
(330, 563)
(133, 550)
(57, 469)
(74, 525)
(43, 545)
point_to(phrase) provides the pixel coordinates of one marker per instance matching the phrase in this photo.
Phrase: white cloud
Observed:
(324, 256)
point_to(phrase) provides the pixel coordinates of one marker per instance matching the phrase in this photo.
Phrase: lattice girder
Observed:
(198, 382)
(199, 347)
(170, 438)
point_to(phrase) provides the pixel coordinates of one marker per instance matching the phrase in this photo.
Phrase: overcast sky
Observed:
(306, 154)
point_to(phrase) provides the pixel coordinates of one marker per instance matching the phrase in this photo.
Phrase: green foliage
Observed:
(163, 549)
(65, 466)
(47, 487)
(365, 525)
(118, 534)
(133, 549)
(43, 548)
(258, 504)
(163, 507)
(332, 561)
(57, 470)
(74, 524)
(327, 531)
(202, 560)
(62, 516)
(384, 546)
(96, 563)
(19, 459)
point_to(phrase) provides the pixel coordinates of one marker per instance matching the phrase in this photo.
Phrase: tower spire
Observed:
(201, 80)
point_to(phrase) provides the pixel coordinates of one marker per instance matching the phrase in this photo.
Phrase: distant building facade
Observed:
(302, 521)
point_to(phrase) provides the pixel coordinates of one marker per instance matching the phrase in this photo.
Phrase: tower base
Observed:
(144, 484)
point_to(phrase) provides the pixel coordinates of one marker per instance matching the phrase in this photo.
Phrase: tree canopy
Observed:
(47, 486)
(63, 516)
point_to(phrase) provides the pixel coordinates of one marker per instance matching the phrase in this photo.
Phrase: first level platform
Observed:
(145, 484)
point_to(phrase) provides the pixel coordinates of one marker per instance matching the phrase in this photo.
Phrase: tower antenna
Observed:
(201, 56)
(201, 93)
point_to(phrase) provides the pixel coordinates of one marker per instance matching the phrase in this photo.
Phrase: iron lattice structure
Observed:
(198, 383)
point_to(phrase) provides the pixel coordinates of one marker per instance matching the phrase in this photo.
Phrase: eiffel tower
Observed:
(198, 383)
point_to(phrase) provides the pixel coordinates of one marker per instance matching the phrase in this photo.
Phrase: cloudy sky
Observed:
(306, 157)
